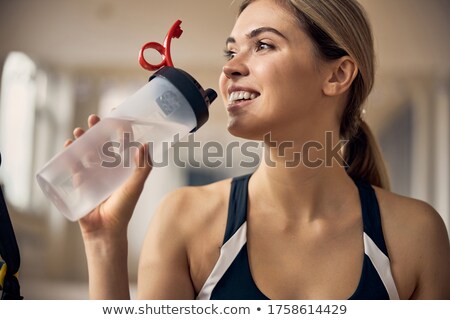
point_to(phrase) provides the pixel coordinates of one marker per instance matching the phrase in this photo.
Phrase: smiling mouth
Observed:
(239, 96)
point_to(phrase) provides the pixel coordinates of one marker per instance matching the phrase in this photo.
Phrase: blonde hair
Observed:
(339, 28)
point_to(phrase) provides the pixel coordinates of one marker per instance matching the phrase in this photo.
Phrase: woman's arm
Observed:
(433, 258)
(104, 231)
(418, 245)
(164, 271)
(107, 267)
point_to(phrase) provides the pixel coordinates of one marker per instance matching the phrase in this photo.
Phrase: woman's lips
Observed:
(242, 95)
(239, 97)
(239, 104)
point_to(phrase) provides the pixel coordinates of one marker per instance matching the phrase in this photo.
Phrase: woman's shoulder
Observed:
(418, 244)
(193, 207)
(198, 198)
(410, 219)
(408, 212)
(181, 243)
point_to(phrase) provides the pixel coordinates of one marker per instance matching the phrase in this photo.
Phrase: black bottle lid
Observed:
(198, 98)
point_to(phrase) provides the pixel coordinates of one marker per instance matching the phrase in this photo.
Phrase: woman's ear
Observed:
(342, 73)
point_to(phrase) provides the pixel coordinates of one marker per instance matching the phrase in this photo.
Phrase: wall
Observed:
(93, 45)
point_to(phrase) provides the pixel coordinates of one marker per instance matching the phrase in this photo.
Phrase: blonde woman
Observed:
(320, 229)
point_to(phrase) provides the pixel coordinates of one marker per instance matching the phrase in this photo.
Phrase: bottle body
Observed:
(93, 166)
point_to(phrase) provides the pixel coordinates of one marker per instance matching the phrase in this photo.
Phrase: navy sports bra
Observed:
(231, 278)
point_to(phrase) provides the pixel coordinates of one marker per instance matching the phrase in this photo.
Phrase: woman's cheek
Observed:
(223, 87)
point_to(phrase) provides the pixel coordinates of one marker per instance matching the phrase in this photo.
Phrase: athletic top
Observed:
(231, 278)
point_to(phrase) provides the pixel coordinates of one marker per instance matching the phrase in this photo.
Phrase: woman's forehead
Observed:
(264, 13)
(269, 16)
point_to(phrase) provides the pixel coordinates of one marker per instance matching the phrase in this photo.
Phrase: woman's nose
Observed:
(235, 68)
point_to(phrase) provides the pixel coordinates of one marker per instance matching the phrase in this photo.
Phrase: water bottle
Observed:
(171, 105)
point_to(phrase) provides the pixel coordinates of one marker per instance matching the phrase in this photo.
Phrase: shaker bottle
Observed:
(171, 105)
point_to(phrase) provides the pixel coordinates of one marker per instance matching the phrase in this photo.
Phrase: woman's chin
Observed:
(243, 131)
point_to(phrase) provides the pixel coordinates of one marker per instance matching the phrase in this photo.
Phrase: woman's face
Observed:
(272, 80)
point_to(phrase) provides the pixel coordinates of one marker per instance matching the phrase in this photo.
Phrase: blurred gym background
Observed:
(62, 60)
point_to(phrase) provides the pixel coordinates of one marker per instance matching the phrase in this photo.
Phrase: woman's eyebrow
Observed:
(256, 32)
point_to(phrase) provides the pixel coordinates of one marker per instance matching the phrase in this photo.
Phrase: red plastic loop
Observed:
(164, 50)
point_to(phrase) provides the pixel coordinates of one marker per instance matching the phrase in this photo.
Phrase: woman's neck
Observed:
(302, 182)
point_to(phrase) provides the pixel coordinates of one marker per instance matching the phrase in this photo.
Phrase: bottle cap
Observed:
(198, 98)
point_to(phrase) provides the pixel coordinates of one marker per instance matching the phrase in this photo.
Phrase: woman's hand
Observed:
(112, 216)
(104, 230)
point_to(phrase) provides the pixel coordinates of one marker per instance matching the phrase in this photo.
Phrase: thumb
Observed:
(135, 183)
(126, 197)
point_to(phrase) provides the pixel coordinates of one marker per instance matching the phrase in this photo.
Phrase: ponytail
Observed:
(364, 159)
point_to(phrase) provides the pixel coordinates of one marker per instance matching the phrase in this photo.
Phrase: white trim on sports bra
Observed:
(233, 246)
(382, 265)
(228, 253)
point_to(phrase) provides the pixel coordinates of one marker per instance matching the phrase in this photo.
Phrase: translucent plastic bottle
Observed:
(84, 174)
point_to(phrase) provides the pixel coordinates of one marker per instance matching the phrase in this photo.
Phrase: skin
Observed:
(298, 218)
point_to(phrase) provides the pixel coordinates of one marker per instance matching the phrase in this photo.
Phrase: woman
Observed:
(309, 229)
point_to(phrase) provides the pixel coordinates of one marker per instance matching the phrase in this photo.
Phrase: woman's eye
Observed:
(229, 54)
(263, 46)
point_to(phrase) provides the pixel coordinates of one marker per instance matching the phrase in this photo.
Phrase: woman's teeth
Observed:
(241, 95)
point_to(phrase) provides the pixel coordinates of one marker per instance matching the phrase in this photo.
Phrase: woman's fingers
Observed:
(78, 132)
(67, 143)
(92, 120)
